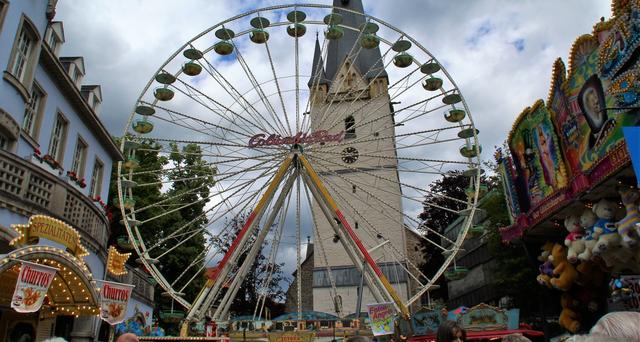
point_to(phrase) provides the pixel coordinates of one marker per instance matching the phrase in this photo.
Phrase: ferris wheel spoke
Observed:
(334, 292)
(238, 97)
(218, 104)
(378, 233)
(372, 206)
(359, 96)
(240, 186)
(364, 72)
(275, 78)
(252, 195)
(328, 164)
(204, 122)
(265, 100)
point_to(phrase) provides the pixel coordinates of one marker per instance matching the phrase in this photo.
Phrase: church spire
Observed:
(368, 62)
(317, 69)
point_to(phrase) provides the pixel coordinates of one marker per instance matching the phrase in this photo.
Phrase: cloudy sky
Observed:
(499, 53)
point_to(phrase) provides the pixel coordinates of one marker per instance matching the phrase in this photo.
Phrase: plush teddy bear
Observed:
(604, 231)
(573, 240)
(568, 317)
(564, 273)
(587, 220)
(626, 226)
(546, 268)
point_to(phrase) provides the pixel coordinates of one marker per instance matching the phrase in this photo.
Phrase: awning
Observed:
(73, 291)
(479, 335)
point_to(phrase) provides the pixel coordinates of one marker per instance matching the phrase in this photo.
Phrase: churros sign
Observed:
(32, 286)
(260, 140)
(114, 298)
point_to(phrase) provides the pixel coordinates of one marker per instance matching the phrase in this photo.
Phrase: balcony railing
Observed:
(28, 189)
(143, 286)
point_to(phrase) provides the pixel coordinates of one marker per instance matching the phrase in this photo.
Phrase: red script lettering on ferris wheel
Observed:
(35, 277)
(320, 136)
(115, 293)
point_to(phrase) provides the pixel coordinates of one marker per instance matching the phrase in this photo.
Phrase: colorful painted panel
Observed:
(594, 112)
(484, 317)
(425, 322)
(536, 154)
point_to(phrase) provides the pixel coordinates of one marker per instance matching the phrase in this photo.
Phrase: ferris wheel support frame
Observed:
(379, 285)
(206, 298)
(234, 287)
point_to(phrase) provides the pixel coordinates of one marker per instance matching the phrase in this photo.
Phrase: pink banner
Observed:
(114, 298)
(32, 286)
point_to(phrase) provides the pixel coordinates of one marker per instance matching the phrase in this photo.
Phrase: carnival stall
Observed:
(481, 322)
(568, 177)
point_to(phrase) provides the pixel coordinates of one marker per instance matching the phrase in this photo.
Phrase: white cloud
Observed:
(499, 54)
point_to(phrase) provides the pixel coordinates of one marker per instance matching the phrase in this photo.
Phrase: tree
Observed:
(512, 271)
(452, 186)
(248, 293)
(187, 170)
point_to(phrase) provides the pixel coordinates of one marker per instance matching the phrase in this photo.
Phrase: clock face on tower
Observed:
(349, 155)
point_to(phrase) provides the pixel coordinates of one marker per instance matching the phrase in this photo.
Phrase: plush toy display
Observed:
(573, 240)
(587, 220)
(605, 232)
(568, 317)
(564, 273)
(626, 226)
(546, 268)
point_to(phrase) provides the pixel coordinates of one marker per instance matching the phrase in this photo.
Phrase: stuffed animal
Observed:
(604, 231)
(546, 268)
(564, 273)
(626, 226)
(589, 275)
(568, 317)
(573, 240)
(587, 220)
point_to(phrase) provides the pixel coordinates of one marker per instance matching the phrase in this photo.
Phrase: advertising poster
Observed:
(114, 298)
(536, 154)
(382, 316)
(32, 285)
(630, 300)
(597, 110)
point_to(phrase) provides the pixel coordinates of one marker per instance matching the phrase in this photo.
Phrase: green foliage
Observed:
(513, 271)
(452, 186)
(247, 296)
(176, 210)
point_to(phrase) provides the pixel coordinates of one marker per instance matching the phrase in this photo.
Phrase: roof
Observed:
(318, 76)
(368, 61)
(307, 316)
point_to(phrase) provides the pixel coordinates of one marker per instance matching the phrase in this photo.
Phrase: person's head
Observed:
(358, 339)
(622, 325)
(450, 331)
(592, 338)
(128, 337)
(515, 338)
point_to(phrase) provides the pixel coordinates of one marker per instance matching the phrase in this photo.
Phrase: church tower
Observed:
(361, 172)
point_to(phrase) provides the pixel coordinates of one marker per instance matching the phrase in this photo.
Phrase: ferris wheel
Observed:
(289, 122)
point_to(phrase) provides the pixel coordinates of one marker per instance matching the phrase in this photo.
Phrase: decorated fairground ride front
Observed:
(569, 177)
(266, 137)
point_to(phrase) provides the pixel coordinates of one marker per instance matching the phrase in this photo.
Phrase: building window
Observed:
(4, 142)
(76, 74)
(353, 188)
(79, 156)
(21, 65)
(350, 127)
(58, 135)
(4, 6)
(32, 112)
(96, 179)
(52, 41)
